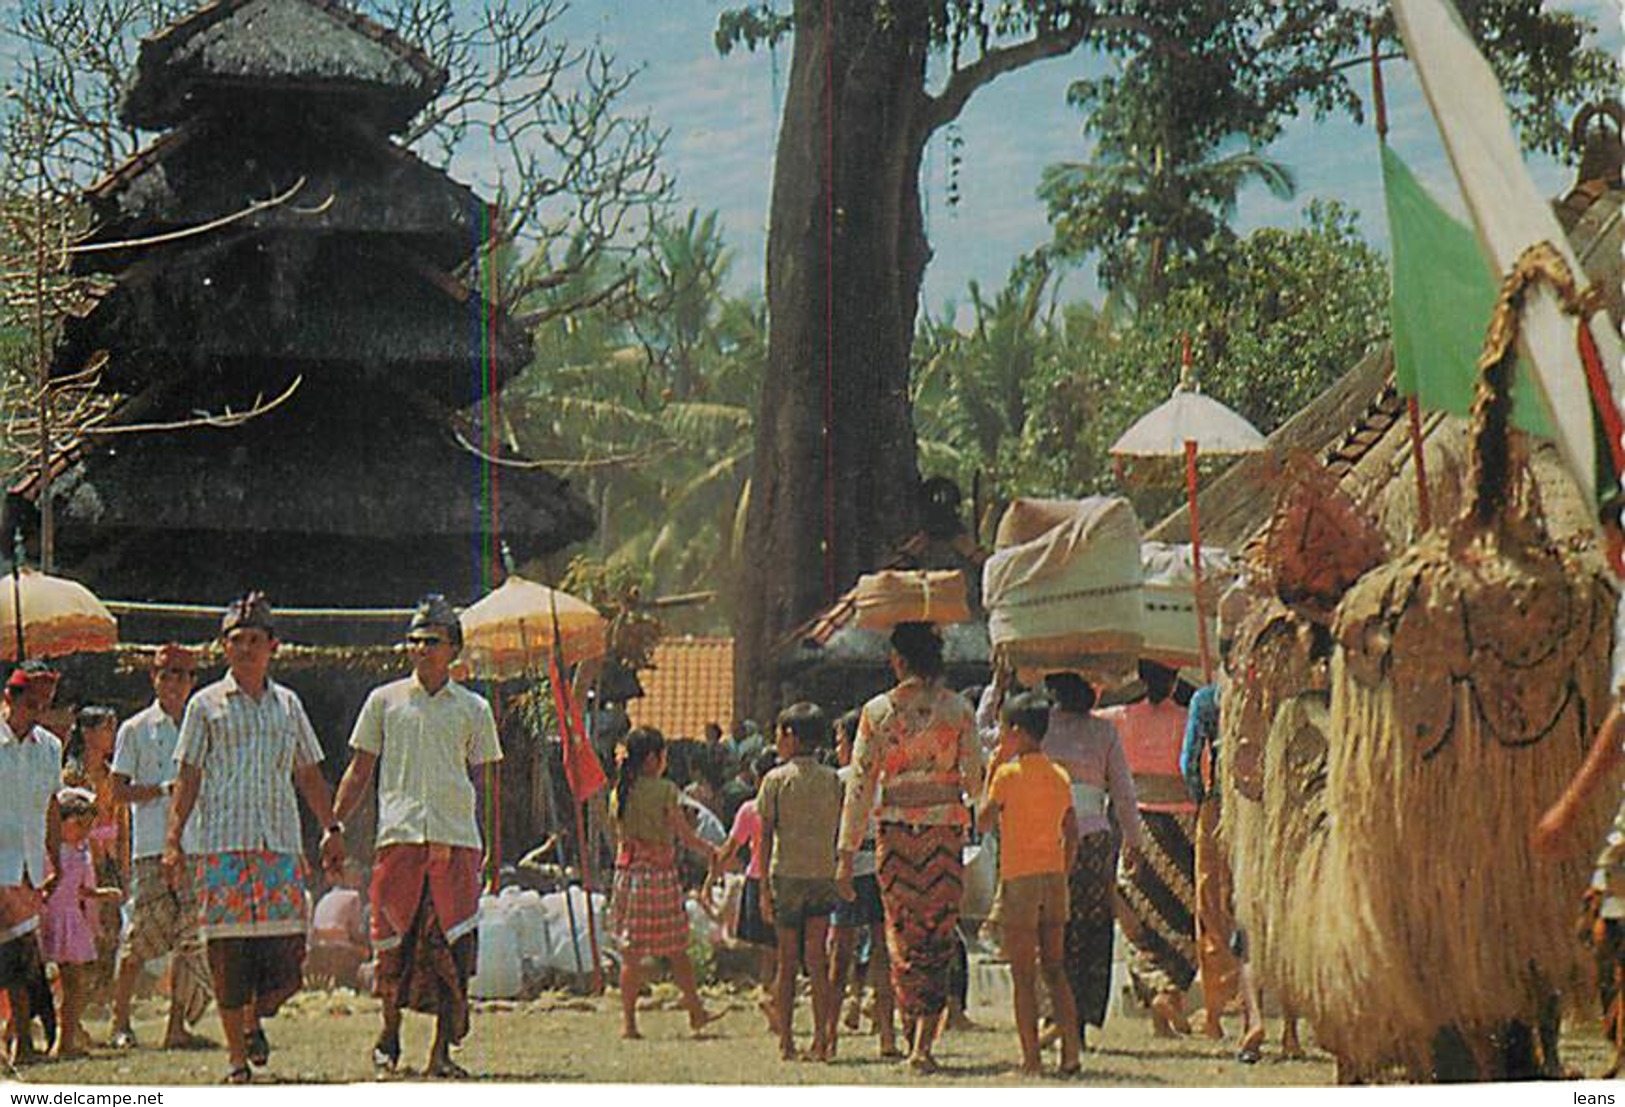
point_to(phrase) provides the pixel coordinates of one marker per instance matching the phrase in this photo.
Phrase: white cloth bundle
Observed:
(1068, 598)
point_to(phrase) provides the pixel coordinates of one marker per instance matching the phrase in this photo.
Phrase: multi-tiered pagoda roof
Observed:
(363, 487)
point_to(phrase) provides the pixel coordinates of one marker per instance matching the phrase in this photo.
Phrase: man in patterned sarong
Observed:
(247, 754)
(424, 735)
(161, 919)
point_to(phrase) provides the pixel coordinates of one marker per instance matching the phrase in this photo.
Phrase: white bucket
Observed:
(499, 969)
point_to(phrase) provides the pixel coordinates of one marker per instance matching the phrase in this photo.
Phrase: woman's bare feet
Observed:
(1168, 1017)
(700, 1018)
(1291, 1048)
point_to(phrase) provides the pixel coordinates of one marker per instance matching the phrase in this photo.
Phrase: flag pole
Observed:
(1196, 561)
(561, 701)
(17, 588)
(1413, 408)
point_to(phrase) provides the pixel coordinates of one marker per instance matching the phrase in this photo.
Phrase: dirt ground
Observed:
(326, 1037)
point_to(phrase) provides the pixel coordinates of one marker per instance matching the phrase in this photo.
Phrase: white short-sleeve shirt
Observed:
(144, 752)
(425, 745)
(30, 774)
(247, 751)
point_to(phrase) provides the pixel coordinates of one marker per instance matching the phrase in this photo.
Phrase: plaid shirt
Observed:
(247, 752)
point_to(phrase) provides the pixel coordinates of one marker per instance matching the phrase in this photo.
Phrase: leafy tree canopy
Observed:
(1032, 395)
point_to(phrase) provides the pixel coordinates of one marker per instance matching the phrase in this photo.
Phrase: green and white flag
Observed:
(1442, 298)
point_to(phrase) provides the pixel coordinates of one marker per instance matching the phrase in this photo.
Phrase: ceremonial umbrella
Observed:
(46, 616)
(523, 629)
(510, 633)
(1189, 424)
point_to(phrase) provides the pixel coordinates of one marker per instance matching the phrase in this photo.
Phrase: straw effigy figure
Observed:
(1316, 544)
(1468, 677)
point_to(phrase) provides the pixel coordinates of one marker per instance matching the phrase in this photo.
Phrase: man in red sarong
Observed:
(426, 737)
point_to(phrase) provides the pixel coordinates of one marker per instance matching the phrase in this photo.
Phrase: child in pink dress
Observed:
(68, 924)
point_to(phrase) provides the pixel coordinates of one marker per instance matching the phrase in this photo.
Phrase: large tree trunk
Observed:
(835, 481)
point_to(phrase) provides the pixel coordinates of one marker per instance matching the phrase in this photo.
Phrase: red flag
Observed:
(582, 772)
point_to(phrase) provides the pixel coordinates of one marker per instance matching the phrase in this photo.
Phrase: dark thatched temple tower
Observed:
(361, 489)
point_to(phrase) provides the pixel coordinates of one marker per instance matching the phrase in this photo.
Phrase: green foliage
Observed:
(1546, 63)
(1202, 88)
(651, 409)
(750, 27)
(1033, 395)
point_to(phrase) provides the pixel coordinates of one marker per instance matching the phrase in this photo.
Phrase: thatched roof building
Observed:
(363, 488)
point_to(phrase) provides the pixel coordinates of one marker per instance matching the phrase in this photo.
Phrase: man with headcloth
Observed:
(425, 736)
(30, 831)
(161, 919)
(247, 754)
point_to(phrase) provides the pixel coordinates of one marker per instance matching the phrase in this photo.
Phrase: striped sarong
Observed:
(1088, 950)
(921, 870)
(1161, 896)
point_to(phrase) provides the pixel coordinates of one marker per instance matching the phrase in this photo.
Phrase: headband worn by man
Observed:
(241, 766)
(428, 739)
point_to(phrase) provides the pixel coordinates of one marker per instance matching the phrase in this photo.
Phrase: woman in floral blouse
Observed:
(917, 745)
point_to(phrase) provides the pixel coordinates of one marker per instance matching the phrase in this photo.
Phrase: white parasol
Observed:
(1190, 424)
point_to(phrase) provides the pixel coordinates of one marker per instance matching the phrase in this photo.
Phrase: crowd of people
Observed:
(856, 828)
(855, 831)
(188, 815)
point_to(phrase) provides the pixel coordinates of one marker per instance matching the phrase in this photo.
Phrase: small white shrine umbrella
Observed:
(1190, 424)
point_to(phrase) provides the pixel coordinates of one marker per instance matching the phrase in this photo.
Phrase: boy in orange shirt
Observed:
(1029, 798)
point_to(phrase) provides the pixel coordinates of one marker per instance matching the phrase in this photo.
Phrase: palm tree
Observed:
(1136, 204)
(652, 410)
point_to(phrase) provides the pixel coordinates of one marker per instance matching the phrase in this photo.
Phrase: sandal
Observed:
(239, 1074)
(1251, 1046)
(444, 1068)
(259, 1047)
(386, 1054)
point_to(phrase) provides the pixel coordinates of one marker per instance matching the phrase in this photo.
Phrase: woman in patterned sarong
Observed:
(1161, 891)
(1088, 748)
(917, 745)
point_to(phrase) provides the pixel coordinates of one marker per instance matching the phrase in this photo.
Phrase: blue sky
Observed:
(722, 118)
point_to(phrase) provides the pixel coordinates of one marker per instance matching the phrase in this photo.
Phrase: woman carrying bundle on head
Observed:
(1088, 748)
(648, 901)
(1160, 891)
(917, 744)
